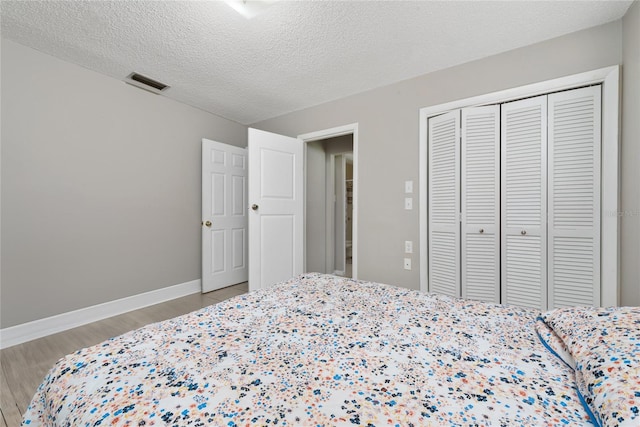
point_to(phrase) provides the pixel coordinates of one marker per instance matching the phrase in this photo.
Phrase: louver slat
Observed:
(574, 197)
(444, 204)
(523, 270)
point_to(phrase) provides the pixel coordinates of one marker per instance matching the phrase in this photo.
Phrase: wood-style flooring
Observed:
(24, 366)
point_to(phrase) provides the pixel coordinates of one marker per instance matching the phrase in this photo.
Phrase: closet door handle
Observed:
(523, 232)
(481, 230)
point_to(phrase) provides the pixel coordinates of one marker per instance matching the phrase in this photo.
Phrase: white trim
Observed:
(331, 133)
(18, 334)
(422, 213)
(304, 207)
(609, 78)
(330, 203)
(609, 191)
(541, 88)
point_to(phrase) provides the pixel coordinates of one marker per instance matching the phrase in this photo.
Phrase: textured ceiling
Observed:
(294, 54)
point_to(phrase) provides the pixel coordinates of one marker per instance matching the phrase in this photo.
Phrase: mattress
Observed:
(320, 350)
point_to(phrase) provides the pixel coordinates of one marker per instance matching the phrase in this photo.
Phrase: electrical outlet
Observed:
(407, 263)
(408, 203)
(408, 186)
(408, 247)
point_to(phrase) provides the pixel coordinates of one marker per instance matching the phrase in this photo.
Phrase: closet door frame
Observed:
(609, 77)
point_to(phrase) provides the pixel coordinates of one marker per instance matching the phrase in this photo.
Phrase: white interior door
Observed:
(524, 202)
(276, 183)
(224, 215)
(444, 204)
(574, 197)
(481, 203)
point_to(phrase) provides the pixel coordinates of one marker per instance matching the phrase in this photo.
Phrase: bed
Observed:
(319, 350)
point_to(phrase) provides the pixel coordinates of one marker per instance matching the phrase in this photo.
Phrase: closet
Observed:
(514, 201)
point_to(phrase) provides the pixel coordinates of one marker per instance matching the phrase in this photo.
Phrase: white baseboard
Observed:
(18, 334)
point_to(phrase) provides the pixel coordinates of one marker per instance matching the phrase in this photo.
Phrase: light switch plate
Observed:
(408, 186)
(407, 263)
(408, 203)
(408, 247)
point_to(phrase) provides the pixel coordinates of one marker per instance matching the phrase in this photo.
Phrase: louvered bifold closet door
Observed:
(524, 200)
(574, 197)
(444, 204)
(480, 153)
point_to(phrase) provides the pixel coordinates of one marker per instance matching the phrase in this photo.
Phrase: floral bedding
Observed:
(319, 350)
(603, 346)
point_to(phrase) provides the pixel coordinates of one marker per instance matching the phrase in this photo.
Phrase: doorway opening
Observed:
(331, 201)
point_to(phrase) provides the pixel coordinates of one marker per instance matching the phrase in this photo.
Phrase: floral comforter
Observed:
(319, 350)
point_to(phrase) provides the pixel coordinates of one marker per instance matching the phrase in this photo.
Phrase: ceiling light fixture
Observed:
(250, 8)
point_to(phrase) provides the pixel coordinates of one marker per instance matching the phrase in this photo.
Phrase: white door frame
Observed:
(350, 129)
(609, 78)
(334, 239)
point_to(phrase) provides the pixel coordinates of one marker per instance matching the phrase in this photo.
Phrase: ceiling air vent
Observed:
(146, 83)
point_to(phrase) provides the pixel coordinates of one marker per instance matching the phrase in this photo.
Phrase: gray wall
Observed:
(389, 140)
(338, 145)
(630, 156)
(315, 209)
(100, 187)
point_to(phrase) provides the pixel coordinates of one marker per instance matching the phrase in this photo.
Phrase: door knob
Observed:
(254, 207)
(208, 223)
(481, 230)
(523, 232)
